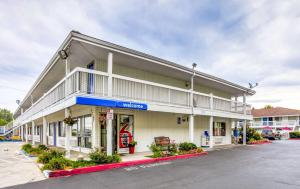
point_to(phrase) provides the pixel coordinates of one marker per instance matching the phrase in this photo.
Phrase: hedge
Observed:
(295, 134)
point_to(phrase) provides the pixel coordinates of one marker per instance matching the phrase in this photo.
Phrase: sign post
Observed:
(109, 118)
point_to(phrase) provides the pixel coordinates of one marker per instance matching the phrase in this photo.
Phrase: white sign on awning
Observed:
(110, 115)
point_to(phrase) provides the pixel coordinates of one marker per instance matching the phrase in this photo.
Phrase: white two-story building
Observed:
(276, 118)
(116, 95)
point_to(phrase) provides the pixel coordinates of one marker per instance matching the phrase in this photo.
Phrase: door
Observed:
(103, 131)
(126, 132)
(90, 89)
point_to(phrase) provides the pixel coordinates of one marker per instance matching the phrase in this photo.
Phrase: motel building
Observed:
(115, 95)
(276, 119)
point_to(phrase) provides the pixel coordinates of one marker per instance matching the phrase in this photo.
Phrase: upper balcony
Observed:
(83, 81)
(274, 124)
(133, 76)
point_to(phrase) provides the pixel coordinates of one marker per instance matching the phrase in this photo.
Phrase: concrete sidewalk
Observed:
(16, 168)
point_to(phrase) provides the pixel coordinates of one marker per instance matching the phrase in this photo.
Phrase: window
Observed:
(51, 129)
(82, 129)
(219, 128)
(38, 130)
(61, 129)
(74, 127)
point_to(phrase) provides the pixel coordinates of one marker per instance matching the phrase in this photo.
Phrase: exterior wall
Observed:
(148, 125)
(157, 78)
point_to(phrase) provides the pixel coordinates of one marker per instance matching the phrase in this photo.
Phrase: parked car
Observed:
(269, 134)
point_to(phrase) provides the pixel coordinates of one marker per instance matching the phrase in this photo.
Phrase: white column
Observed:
(109, 135)
(68, 134)
(45, 125)
(22, 132)
(245, 121)
(244, 132)
(244, 103)
(95, 129)
(191, 128)
(33, 132)
(26, 133)
(211, 133)
(109, 71)
(235, 103)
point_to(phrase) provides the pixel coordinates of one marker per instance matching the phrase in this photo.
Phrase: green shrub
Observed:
(57, 163)
(156, 150)
(187, 146)
(34, 151)
(256, 136)
(46, 156)
(27, 147)
(99, 157)
(82, 163)
(295, 134)
(172, 149)
(42, 147)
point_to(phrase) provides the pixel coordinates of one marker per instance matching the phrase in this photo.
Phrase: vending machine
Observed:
(205, 139)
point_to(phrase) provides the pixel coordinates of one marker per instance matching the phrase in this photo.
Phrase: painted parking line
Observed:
(133, 168)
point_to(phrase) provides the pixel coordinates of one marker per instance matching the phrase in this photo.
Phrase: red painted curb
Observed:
(104, 167)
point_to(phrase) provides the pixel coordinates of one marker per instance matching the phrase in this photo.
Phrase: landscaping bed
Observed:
(54, 159)
(104, 167)
(54, 164)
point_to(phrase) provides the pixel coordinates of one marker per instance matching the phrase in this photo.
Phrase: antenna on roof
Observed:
(251, 86)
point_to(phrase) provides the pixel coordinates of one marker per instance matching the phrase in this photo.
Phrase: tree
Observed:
(6, 116)
(268, 106)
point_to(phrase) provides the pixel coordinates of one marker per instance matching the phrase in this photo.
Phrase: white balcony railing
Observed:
(285, 123)
(85, 81)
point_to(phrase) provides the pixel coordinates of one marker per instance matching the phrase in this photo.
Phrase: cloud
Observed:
(241, 41)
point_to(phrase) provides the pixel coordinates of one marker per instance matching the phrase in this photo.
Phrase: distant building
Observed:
(276, 118)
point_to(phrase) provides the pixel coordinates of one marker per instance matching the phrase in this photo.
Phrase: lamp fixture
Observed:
(63, 54)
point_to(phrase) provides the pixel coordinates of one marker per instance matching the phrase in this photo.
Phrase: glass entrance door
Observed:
(126, 132)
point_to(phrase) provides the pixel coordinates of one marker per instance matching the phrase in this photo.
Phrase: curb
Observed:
(104, 167)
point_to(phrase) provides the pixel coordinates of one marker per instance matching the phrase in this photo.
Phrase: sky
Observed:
(240, 41)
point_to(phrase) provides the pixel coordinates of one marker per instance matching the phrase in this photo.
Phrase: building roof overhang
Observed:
(84, 39)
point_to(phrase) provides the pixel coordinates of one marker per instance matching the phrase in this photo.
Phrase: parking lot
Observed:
(248, 167)
(16, 168)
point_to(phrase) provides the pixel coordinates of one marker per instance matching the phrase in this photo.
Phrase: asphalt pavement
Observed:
(247, 167)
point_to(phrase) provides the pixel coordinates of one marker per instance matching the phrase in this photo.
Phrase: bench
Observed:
(162, 141)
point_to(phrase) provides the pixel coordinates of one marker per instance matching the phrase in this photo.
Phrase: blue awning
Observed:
(110, 103)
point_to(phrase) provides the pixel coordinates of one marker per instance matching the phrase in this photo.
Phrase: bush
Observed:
(187, 146)
(250, 134)
(34, 151)
(57, 163)
(172, 149)
(99, 157)
(46, 156)
(26, 147)
(295, 134)
(42, 147)
(256, 136)
(156, 150)
(82, 163)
